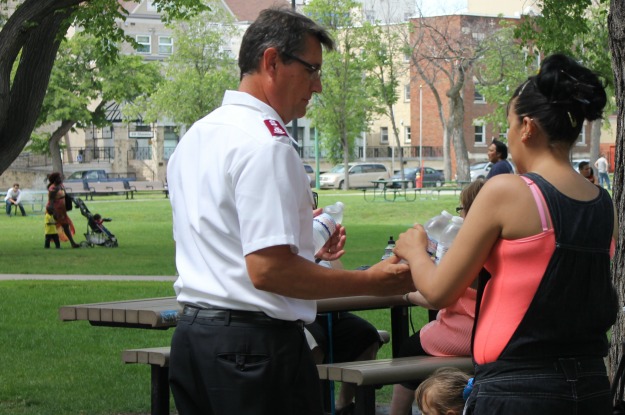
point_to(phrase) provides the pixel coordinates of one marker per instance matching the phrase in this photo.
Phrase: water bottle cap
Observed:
(340, 204)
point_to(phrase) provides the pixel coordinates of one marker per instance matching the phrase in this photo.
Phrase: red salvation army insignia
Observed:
(275, 129)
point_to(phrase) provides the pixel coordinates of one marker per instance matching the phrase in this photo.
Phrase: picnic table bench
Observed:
(367, 375)
(141, 186)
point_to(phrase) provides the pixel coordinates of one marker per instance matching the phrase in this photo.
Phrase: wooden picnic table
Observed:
(162, 313)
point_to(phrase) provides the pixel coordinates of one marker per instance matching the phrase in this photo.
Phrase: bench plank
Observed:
(391, 371)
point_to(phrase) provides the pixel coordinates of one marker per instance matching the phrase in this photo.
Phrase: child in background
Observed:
(443, 392)
(50, 229)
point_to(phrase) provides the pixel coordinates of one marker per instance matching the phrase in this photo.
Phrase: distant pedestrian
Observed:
(50, 229)
(602, 166)
(498, 154)
(586, 170)
(14, 197)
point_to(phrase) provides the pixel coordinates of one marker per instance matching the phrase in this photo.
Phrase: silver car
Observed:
(360, 175)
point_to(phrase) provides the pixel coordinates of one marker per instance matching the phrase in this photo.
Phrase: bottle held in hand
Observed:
(447, 237)
(434, 229)
(324, 225)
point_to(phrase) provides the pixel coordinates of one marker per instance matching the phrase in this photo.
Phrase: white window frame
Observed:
(407, 93)
(581, 138)
(147, 44)
(479, 131)
(383, 135)
(162, 45)
(407, 135)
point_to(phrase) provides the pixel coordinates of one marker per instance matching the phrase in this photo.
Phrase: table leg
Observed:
(399, 327)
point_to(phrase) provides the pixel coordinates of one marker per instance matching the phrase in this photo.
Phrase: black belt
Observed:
(237, 316)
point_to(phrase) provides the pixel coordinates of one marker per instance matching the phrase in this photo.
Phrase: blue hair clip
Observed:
(467, 390)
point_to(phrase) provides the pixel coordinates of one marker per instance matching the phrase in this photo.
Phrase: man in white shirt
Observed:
(242, 209)
(14, 198)
(602, 168)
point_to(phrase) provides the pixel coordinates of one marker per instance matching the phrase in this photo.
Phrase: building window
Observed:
(145, 46)
(407, 135)
(480, 136)
(407, 93)
(165, 45)
(384, 135)
(581, 139)
(477, 96)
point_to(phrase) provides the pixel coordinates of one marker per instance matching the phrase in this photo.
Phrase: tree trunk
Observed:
(55, 147)
(616, 27)
(33, 30)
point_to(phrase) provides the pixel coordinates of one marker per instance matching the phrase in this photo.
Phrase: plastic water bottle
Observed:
(324, 225)
(434, 228)
(388, 251)
(447, 237)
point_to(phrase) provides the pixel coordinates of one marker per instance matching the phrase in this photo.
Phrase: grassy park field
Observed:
(55, 368)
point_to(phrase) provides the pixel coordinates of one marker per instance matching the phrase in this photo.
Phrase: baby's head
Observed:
(442, 393)
(97, 216)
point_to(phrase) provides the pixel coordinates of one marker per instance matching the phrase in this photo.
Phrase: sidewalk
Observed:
(4, 277)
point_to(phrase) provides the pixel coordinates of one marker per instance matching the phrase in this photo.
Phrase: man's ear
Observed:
(270, 60)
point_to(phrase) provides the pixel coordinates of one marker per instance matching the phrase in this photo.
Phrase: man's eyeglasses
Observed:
(313, 70)
(459, 209)
(315, 200)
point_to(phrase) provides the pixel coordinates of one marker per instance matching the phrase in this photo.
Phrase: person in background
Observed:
(498, 155)
(545, 237)
(248, 280)
(50, 229)
(586, 170)
(56, 200)
(602, 166)
(14, 198)
(449, 334)
(444, 392)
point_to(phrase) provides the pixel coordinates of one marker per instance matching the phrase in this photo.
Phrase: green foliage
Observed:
(197, 74)
(500, 70)
(82, 75)
(344, 109)
(39, 144)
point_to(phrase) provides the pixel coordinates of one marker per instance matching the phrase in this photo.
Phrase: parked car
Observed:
(479, 170)
(311, 174)
(95, 175)
(360, 175)
(431, 177)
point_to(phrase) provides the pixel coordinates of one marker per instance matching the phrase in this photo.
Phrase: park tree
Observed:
(344, 109)
(384, 48)
(196, 75)
(29, 41)
(443, 55)
(82, 84)
(579, 30)
(503, 67)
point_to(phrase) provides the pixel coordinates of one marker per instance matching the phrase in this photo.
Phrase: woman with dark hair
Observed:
(546, 238)
(56, 199)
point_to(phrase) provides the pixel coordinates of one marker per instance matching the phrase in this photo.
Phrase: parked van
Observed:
(360, 175)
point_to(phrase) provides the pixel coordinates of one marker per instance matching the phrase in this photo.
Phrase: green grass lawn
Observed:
(55, 368)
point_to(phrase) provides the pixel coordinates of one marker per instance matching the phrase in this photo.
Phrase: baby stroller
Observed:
(97, 233)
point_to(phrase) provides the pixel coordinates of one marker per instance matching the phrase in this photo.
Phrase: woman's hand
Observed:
(412, 242)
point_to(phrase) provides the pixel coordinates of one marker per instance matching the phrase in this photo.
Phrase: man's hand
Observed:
(333, 248)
